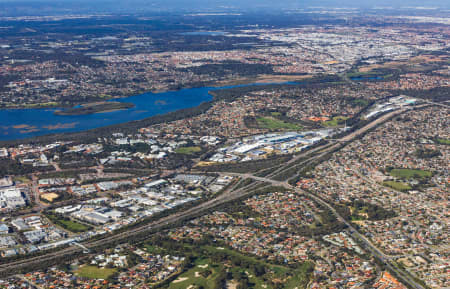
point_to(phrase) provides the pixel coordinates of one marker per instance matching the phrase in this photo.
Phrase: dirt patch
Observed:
(232, 284)
(180, 279)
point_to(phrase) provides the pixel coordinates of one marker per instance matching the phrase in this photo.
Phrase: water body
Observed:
(204, 33)
(24, 123)
(360, 78)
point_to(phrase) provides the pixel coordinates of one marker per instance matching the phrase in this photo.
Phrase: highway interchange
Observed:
(231, 194)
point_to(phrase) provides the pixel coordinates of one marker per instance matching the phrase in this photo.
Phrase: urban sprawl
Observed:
(333, 172)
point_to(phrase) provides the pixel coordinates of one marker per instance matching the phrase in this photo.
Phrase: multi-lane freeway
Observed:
(13, 267)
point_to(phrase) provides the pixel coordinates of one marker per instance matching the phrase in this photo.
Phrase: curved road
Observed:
(11, 268)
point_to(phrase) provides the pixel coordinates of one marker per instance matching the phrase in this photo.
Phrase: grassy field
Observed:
(24, 180)
(279, 271)
(154, 249)
(65, 174)
(335, 121)
(44, 104)
(95, 108)
(301, 277)
(361, 74)
(188, 150)
(93, 272)
(399, 186)
(442, 141)
(276, 268)
(257, 283)
(276, 124)
(72, 226)
(410, 174)
(368, 74)
(360, 102)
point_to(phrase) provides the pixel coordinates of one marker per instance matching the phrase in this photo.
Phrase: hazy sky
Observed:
(132, 5)
(246, 3)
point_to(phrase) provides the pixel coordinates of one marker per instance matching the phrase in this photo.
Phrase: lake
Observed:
(24, 123)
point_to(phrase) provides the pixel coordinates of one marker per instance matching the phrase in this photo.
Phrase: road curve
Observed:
(11, 268)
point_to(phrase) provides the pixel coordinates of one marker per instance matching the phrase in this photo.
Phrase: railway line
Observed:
(232, 194)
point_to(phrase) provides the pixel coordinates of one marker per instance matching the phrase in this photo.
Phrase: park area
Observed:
(93, 272)
(335, 121)
(410, 173)
(276, 124)
(68, 224)
(225, 265)
(188, 150)
(399, 186)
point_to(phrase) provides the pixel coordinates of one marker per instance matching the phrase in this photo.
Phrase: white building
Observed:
(12, 198)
